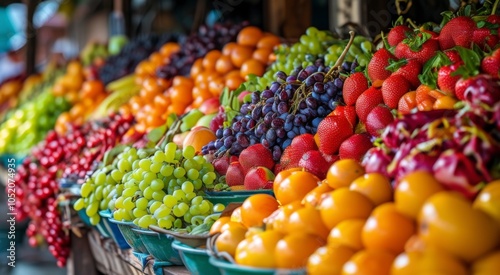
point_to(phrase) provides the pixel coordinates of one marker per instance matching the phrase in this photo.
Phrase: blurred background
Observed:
(36, 33)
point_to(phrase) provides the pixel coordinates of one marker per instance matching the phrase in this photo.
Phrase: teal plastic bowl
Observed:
(227, 197)
(196, 260)
(113, 230)
(227, 268)
(159, 246)
(131, 237)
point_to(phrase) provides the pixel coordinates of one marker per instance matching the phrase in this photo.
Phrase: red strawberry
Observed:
(378, 64)
(378, 119)
(410, 72)
(494, 19)
(453, 55)
(393, 89)
(347, 111)
(484, 38)
(367, 101)
(491, 64)
(293, 153)
(313, 162)
(459, 31)
(354, 86)
(355, 147)
(446, 82)
(461, 86)
(417, 47)
(397, 34)
(332, 131)
(256, 155)
(235, 174)
(257, 178)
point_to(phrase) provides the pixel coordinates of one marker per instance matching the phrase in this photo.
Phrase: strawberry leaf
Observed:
(400, 21)
(472, 61)
(395, 65)
(431, 67)
(447, 16)
(416, 40)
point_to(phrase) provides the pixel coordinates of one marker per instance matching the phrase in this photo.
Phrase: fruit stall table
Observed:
(109, 259)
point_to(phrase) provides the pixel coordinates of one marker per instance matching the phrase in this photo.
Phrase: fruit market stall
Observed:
(232, 150)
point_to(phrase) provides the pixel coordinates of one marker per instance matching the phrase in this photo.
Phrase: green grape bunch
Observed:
(164, 188)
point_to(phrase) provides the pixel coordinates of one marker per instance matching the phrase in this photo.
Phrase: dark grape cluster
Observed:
(198, 45)
(293, 104)
(73, 154)
(137, 50)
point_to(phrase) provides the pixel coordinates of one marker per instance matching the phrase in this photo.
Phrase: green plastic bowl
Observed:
(227, 268)
(133, 238)
(159, 246)
(196, 260)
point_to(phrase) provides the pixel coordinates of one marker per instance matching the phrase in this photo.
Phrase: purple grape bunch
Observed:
(292, 105)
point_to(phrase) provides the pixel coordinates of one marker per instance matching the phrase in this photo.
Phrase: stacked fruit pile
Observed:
(70, 156)
(353, 222)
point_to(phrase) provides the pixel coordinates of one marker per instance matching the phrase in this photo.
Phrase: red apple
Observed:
(210, 106)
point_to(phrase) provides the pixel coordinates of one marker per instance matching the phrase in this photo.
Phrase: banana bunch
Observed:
(122, 90)
(361, 51)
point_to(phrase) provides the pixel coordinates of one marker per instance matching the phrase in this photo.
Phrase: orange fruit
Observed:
(215, 86)
(488, 200)
(249, 36)
(199, 137)
(488, 264)
(374, 186)
(278, 220)
(169, 48)
(370, 261)
(257, 207)
(347, 233)
(252, 67)
(228, 48)
(210, 59)
(387, 229)
(196, 68)
(430, 261)
(282, 175)
(307, 219)
(269, 42)
(295, 186)
(240, 54)
(294, 249)
(313, 198)
(74, 68)
(262, 55)
(224, 65)
(236, 215)
(343, 172)
(343, 204)
(183, 81)
(258, 250)
(218, 224)
(329, 260)
(233, 80)
(229, 239)
(181, 94)
(413, 190)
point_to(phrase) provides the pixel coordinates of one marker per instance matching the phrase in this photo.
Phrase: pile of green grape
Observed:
(311, 46)
(153, 187)
(360, 51)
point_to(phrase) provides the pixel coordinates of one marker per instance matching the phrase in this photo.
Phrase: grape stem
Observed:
(494, 8)
(343, 55)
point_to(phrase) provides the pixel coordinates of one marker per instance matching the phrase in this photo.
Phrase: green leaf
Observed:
(447, 16)
(157, 133)
(472, 62)
(431, 67)
(235, 104)
(395, 65)
(416, 40)
(110, 155)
